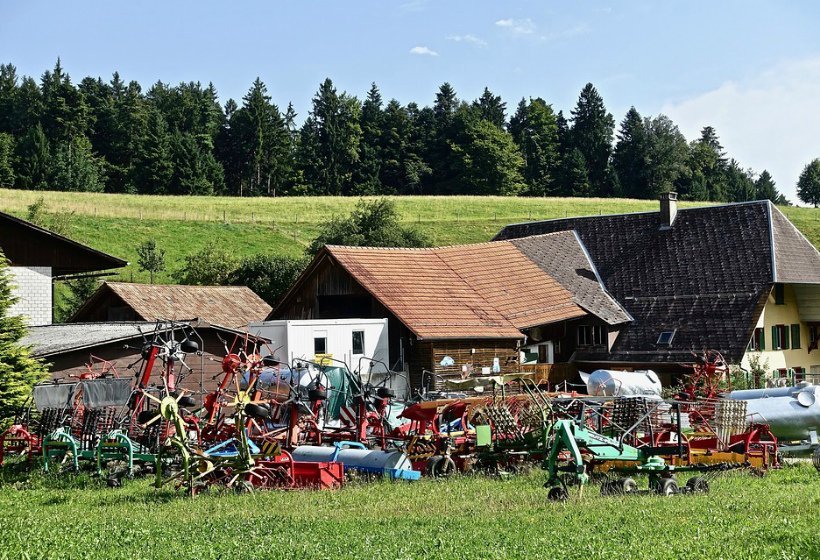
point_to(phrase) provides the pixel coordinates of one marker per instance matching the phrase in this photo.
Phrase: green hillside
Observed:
(117, 223)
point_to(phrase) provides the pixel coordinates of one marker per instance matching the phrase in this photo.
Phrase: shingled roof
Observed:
(707, 277)
(482, 290)
(231, 306)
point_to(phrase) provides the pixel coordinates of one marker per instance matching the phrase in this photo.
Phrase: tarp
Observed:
(109, 391)
(58, 395)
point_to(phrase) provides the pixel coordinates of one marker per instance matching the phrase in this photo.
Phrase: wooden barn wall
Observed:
(63, 366)
(109, 307)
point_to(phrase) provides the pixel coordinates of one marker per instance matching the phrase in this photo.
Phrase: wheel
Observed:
(440, 466)
(186, 402)
(815, 458)
(315, 395)
(667, 487)
(627, 485)
(257, 410)
(557, 494)
(385, 393)
(698, 484)
(146, 416)
(607, 488)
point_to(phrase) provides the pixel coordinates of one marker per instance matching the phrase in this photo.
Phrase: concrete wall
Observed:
(786, 314)
(33, 288)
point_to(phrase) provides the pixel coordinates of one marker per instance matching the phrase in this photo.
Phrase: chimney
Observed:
(669, 209)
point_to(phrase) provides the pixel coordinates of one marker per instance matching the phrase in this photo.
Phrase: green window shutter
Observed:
(762, 339)
(775, 341)
(795, 337)
(785, 342)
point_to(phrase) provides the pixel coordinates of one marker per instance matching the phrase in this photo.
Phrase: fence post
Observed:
(224, 219)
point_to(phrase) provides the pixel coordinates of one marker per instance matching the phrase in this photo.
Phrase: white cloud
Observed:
(423, 51)
(472, 39)
(517, 26)
(769, 121)
(574, 31)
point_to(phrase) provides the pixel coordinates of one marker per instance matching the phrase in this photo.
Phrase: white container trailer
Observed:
(348, 340)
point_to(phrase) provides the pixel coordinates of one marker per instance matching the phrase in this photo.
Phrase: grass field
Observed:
(743, 517)
(117, 223)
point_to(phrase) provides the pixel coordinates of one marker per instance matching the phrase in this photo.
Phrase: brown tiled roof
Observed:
(231, 306)
(487, 290)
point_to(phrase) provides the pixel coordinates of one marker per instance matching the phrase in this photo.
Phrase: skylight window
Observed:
(665, 339)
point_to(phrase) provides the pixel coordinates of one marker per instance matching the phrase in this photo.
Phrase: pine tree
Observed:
(765, 188)
(6, 157)
(491, 108)
(366, 177)
(808, 185)
(706, 179)
(629, 159)
(75, 167)
(534, 128)
(574, 175)
(18, 370)
(153, 166)
(591, 134)
(330, 140)
(33, 160)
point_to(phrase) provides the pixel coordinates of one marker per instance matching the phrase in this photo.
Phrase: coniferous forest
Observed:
(112, 136)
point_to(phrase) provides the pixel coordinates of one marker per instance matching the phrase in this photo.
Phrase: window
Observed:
(591, 335)
(780, 337)
(320, 345)
(665, 339)
(779, 294)
(799, 374)
(795, 337)
(358, 342)
(758, 341)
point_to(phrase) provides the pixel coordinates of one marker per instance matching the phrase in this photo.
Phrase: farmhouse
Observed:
(499, 308)
(72, 349)
(232, 306)
(38, 257)
(737, 278)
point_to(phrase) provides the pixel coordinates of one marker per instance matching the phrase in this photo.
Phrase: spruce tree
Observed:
(629, 159)
(6, 160)
(534, 128)
(765, 188)
(19, 371)
(591, 135)
(491, 108)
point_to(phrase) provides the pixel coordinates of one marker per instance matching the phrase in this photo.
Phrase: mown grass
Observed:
(117, 223)
(466, 517)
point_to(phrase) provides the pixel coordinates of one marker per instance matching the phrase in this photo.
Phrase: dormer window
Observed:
(665, 339)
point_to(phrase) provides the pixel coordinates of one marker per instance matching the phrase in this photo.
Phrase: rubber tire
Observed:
(315, 395)
(607, 488)
(385, 393)
(186, 402)
(557, 494)
(627, 485)
(698, 485)
(667, 487)
(440, 466)
(257, 411)
(146, 416)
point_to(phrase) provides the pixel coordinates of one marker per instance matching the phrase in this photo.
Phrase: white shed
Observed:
(353, 341)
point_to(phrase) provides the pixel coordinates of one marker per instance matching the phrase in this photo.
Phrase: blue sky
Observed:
(751, 69)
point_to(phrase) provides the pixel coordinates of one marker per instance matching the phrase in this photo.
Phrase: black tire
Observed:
(440, 466)
(257, 411)
(607, 488)
(186, 402)
(146, 416)
(315, 395)
(557, 494)
(667, 487)
(627, 485)
(698, 485)
(385, 393)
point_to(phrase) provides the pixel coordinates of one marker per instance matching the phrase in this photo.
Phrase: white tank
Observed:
(793, 417)
(749, 394)
(612, 383)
